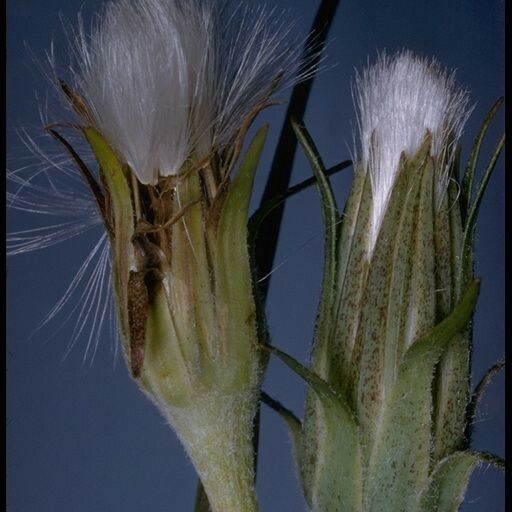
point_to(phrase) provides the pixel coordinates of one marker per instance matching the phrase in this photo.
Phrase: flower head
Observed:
(164, 92)
(400, 100)
(393, 337)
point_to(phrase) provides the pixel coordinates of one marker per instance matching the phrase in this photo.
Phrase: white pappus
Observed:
(399, 100)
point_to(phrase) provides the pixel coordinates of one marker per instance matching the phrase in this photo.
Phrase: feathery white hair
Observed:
(167, 78)
(399, 99)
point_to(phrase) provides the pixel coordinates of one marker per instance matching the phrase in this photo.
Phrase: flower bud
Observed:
(398, 253)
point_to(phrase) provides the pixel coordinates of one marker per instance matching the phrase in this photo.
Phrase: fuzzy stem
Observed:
(217, 432)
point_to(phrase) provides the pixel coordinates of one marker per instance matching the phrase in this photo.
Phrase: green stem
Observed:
(216, 433)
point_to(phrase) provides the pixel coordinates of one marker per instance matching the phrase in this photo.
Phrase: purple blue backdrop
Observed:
(83, 438)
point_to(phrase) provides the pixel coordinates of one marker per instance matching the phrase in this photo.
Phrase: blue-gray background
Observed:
(83, 438)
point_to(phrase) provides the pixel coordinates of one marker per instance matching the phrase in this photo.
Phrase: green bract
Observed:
(184, 293)
(386, 419)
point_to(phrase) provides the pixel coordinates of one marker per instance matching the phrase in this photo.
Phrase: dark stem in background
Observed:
(282, 164)
(258, 217)
(279, 180)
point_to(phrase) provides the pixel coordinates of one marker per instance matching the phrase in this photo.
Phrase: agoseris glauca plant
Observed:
(388, 411)
(163, 93)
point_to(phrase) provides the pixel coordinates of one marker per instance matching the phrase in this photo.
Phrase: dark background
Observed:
(82, 437)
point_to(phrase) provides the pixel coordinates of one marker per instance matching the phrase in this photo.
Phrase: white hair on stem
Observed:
(399, 100)
(165, 79)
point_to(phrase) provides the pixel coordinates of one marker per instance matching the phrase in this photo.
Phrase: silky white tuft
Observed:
(165, 79)
(399, 100)
(49, 190)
